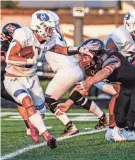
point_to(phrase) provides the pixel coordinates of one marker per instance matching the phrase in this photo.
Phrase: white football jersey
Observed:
(124, 42)
(56, 60)
(26, 37)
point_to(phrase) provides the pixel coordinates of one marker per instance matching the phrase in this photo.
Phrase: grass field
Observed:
(15, 145)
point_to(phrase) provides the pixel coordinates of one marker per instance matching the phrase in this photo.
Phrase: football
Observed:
(28, 52)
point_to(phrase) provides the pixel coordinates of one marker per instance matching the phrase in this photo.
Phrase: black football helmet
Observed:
(8, 30)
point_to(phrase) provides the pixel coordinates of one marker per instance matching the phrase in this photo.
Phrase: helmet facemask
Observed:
(45, 32)
(87, 61)
(42, 24)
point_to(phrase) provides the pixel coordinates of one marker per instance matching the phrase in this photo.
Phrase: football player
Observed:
(21, 80)
(6, 38)
(113, 66)
(122, 39)
(65, 66)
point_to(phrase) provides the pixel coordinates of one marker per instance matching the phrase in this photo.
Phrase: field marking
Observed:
(3, 114)
(30, 147)
(78, 118)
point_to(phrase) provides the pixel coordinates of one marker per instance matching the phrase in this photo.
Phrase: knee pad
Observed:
(51, 104)
(87, 104)
(79, 100)
(41, 108)
(20, 95)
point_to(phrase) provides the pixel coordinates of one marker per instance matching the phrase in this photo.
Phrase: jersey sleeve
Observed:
(117, 40)
(20, 36)
(111, 63)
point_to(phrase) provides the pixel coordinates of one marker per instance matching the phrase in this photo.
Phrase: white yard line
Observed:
(26, 149)
(47, 113)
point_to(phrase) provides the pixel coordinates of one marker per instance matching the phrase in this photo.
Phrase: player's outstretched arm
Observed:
(99, 76)
(65, 50)
(69, 51)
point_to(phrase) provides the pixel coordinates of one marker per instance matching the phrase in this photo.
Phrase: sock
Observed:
(63, 118)
(38, 122)
(26, 123)
(95, 110)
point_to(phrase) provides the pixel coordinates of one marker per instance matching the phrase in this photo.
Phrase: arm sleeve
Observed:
(117, 38)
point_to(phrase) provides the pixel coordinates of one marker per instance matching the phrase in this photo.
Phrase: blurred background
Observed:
(79, 20)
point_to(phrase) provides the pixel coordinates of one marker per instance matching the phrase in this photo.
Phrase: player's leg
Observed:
(112, 123)
(21, 109)
(23, 112)
(131, 112)
(38, 99)
(120, 113)
(37, 90)
(111, 106)
(21, 96)
(91, 106)
(18, 92)
(63, 80)
(109, 89)
(130, 132)
(37, 95)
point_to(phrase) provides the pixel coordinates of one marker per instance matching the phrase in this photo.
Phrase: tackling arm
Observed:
(101, 75)
(65, 50)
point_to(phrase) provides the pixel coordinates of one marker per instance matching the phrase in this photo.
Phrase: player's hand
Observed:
(63, 107)
(58, 112)
(84, 86)
(85, 50)
(81, 89)
(36, 55)
(35, 58)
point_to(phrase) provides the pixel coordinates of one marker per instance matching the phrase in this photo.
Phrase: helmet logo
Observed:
(127, 16)
(10, 28)
(42, 16)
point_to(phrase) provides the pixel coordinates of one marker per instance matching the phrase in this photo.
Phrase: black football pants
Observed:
(124, 109)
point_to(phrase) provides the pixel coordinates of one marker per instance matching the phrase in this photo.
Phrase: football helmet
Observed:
(8, 30)
(95, 48)
(129, 21)
(56, 18)
(43, 24)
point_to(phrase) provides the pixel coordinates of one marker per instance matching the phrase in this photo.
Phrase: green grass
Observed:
(85, 147)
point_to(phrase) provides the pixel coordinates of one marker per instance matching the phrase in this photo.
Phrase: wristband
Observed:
(29, 61)
(73, 50)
